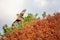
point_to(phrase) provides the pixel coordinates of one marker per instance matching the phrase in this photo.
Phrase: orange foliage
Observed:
(45, 29)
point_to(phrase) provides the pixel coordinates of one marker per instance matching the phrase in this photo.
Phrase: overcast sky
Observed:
(9, 9)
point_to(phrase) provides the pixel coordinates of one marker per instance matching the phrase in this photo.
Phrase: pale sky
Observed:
(9, 9)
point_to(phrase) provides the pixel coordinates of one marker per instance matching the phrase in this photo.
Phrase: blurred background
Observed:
(9, 9)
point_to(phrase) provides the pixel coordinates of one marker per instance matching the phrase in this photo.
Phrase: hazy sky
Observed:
(9, 9)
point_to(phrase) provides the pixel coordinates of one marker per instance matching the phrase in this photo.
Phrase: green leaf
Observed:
(44, 14)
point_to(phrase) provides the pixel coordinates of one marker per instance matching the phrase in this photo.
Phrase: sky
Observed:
(9, 9)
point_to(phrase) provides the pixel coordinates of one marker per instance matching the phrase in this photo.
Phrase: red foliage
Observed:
(45, 29)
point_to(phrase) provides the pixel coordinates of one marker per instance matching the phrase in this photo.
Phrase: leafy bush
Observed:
(27, 20)
(19, 26)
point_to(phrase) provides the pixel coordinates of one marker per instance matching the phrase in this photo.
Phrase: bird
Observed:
(19, 18)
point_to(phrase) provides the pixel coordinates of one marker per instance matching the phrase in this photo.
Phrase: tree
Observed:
(5, 27)
(44, 14)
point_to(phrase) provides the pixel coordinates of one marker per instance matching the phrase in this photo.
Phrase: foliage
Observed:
(45, 29)
(25, 21)
(44, 14)
(5, 28)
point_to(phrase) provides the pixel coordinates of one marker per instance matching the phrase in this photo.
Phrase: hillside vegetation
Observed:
(32, 28)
